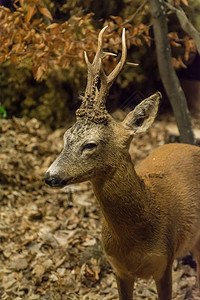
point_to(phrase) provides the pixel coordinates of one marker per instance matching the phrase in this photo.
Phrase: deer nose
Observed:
(53, 181)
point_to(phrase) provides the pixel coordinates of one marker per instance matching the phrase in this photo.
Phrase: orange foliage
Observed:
(28, 35)
(189, 47)
(178, 2)
(25, 35)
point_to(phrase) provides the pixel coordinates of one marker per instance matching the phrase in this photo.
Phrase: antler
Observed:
(98, 83)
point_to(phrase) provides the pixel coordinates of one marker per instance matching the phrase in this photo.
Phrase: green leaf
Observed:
(3, 113)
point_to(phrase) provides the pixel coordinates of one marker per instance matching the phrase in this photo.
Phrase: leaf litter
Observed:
(50, 240)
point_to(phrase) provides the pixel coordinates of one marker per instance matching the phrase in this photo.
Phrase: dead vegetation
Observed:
(50, 239)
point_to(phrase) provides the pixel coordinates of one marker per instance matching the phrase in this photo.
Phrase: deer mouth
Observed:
(55, 181)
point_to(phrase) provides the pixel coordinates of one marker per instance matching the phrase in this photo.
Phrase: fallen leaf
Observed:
(45, 12)
(39, 270)
(31, 10)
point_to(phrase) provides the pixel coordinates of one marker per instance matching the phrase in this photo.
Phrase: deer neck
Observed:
(123, 198)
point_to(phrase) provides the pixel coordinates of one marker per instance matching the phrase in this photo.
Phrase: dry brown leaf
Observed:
(19, 264)
(39, 270)
(45, 12)
(39, 73)
(175, 44)
(96, 268)
(181, 63)
(8, 284)
(21, 3)
(173, 35)
(31, 10)
(185, 2)
(88, 270)
(52, 26)
(36, 22)
(176, 2)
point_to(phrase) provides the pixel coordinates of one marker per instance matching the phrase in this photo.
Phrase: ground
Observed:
(50, 240)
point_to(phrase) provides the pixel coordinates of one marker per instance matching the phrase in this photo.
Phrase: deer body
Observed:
(151, 213)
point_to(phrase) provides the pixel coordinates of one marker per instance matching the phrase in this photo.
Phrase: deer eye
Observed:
(89, 146)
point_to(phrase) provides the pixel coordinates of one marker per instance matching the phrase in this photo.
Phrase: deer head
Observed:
(96, 144)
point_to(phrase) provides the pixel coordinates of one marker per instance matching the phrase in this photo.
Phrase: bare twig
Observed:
(130, 19)
(186, 24)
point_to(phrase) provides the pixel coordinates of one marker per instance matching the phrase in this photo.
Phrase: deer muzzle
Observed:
(54, 180)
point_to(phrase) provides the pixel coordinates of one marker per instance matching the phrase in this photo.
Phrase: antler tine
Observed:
(99, 53)
(86, 59)
(122, 61)
(100, 43)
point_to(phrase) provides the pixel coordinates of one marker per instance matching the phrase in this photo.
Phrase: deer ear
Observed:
(141, 118)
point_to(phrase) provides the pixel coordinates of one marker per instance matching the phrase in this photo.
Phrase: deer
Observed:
(151, 212)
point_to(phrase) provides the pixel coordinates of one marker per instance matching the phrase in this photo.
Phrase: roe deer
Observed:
(151, 214)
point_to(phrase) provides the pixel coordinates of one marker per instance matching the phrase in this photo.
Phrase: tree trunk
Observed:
(168, 74)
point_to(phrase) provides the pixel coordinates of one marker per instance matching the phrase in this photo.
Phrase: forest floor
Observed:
(50, 240)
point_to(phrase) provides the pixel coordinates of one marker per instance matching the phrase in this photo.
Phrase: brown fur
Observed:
(158, 218)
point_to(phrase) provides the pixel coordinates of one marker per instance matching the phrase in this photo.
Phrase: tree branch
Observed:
(186, 24)
(130, 19)
(168, 74)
